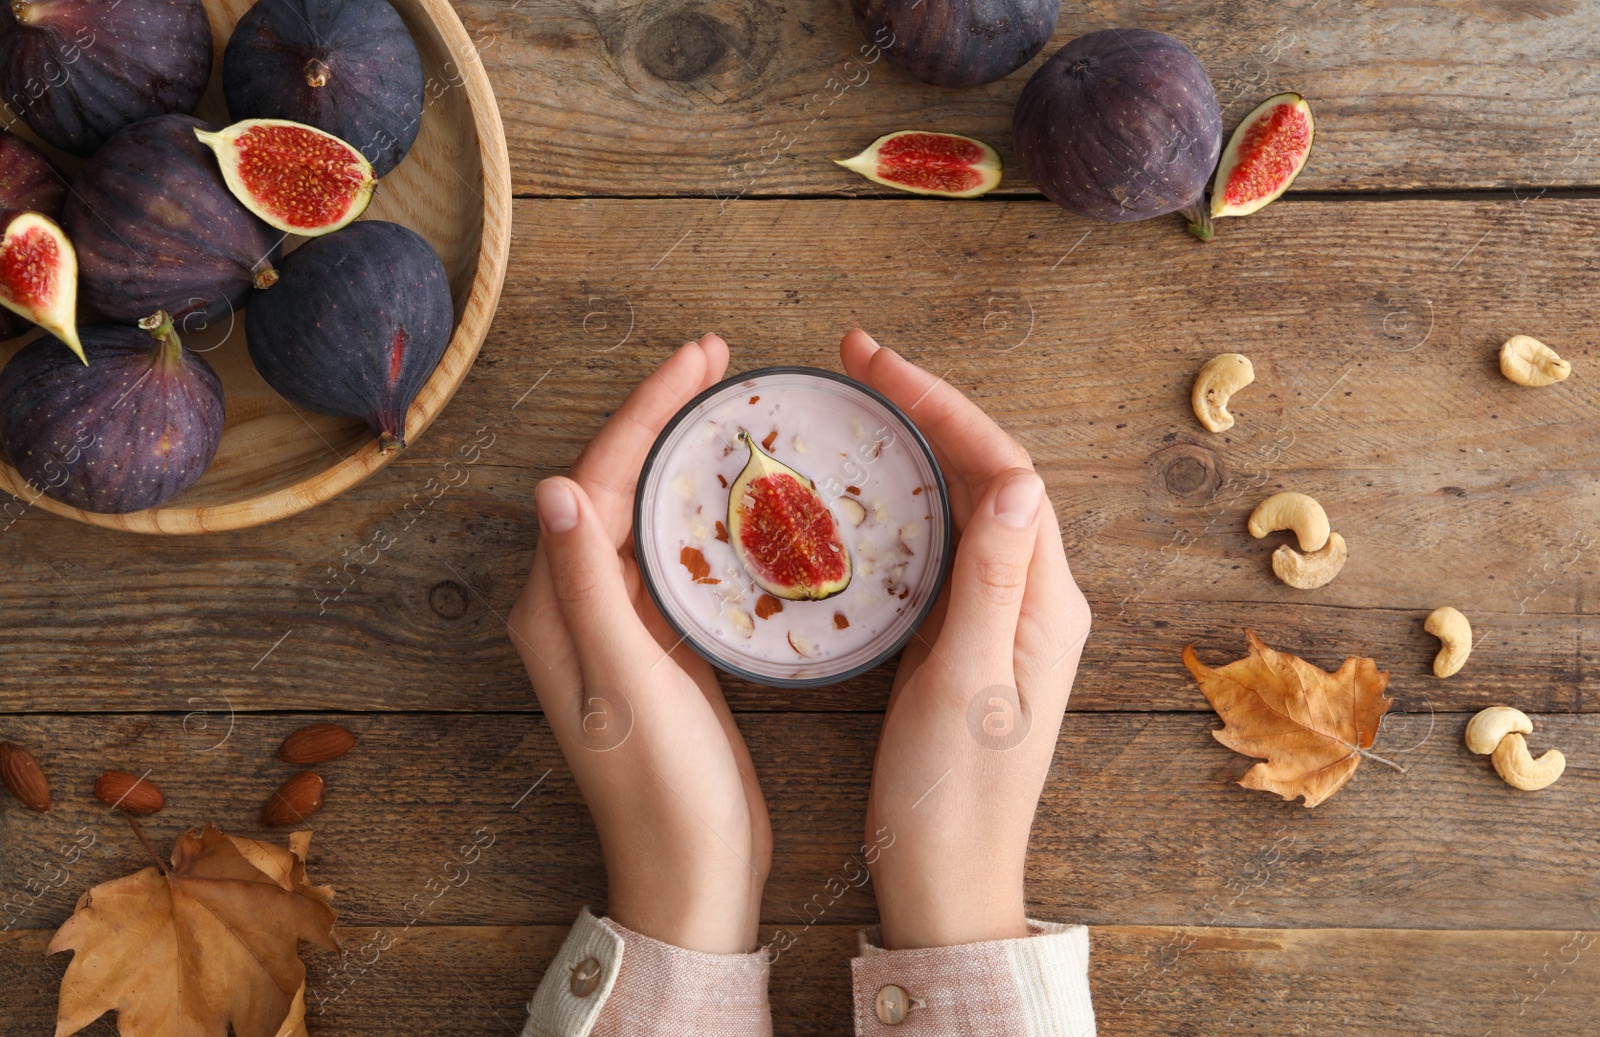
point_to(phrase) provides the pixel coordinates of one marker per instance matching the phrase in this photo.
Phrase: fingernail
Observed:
(869, 338)
(1018, 501)
(558, 508)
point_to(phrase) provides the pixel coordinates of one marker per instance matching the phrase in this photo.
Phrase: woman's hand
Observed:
(638, 715)
(980, 692)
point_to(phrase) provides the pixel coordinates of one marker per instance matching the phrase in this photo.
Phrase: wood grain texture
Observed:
(601, 95)
(1373, 327)
(453, 189)
(476, 980)
(1140, 821)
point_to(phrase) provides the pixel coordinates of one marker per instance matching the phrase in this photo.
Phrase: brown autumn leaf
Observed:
(187, 951)
(1309, 725)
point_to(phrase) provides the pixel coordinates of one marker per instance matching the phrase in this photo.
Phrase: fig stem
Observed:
(20, 10)
(1199, 217)
(388, 443)
(316, 72)
(267, 276)
(159, 325)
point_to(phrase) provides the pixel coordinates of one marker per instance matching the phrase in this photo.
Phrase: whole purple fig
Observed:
(348, 67)
(958, 42)
(156, 228)
(1121, 124)
(77, 71)
(130, 431)
(356, 324)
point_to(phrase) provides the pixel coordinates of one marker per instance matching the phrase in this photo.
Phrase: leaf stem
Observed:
(1389, 763)
(148, 848)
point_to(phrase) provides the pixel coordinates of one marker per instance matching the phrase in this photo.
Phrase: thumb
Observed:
(991, 574)
(588, 583)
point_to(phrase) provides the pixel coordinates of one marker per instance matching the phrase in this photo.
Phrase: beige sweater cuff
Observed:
(609, 981)
(1034, 986)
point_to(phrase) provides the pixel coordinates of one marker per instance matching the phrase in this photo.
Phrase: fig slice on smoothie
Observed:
(782, 531)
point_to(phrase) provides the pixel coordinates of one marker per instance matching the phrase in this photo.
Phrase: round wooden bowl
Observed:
(453, 188)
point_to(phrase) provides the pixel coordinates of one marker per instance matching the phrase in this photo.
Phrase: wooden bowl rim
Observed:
(494, 249)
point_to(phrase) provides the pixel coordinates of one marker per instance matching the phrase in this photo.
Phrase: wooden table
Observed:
(670, 159)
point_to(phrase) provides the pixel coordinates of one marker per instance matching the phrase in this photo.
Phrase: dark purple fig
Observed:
(348, 67)
(958, 42)
(156, 228)
(130, 431)
(1121, 124)
(27, 181)
(77, 71)
(355, 325)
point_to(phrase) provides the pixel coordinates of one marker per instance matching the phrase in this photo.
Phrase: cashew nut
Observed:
(1296, 511)
(1520, 770)
(1219, 379)
(1527, 361)
(1310, 571)
(1485, 730)
(1455, 640)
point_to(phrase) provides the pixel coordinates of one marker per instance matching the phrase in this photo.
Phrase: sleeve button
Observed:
(893, 1004)
(585, 977)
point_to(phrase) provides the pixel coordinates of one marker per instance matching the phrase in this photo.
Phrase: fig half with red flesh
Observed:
(39, 275)
(1264, 155)
(295, 177)
(924, 162)
(27, 181)
(782, 531)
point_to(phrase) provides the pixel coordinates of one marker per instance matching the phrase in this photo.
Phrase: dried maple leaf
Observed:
(187, 951)
(1310, 726)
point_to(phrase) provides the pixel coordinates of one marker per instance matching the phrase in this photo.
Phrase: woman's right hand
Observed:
(980, 691)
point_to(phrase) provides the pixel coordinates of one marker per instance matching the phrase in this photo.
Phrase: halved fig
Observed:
(297, 178)
(1263, 156)
(924, 162)
(39, 275)
(782, 531)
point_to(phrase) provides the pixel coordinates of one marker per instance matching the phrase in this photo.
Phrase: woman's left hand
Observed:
(638, 715)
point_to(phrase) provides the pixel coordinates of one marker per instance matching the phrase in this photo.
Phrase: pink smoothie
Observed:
(879, 483)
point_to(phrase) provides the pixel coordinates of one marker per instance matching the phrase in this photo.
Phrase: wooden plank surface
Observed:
(1146, 980)
(662, 97)
(1140, 822)
(672, 158)
(1373, 327)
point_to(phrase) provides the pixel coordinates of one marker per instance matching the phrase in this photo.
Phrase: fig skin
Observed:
(156, 228)
(958, 43)
(130, 431)
(355, 326)
(27, 181)
(360, 51)
(78, 71)
(1121, 125)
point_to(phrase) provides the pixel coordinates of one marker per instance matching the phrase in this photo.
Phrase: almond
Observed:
(296, 799)
(24, 777)
(129, 793)
(316, 743)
